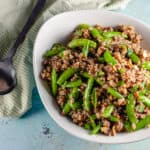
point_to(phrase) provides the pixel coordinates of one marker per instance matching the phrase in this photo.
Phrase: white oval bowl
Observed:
(59, 28)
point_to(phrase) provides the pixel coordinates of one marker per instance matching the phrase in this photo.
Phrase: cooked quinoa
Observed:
(101, 79)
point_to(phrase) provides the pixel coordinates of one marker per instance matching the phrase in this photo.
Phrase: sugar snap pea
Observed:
(135, 59)
(108, 110)
(86, 102)
(144, 99)
(110, 34)
(96, 129)
(146, 65)
(94, 98)
(72, 84)
(114, 92)
(66, 75)
(143, 122)
(130, 106)
(109, 58)
(85, 49)
(96, 34)
(81, 42)
(56, 49)
(54, 82)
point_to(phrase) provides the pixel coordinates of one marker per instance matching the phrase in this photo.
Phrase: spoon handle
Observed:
(27, 26)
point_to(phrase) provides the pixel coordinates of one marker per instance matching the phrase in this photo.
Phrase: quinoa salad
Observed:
(100, 79)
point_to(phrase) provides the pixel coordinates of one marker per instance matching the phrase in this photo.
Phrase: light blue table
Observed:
(37, 131)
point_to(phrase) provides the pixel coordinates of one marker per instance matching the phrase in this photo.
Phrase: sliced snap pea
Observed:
(94, 98)
(111, 34)
(85, 75)
(96, 129)
(134, 89)
(54, 82)
(96, 34)
(101, 73)
(99, 81)
(68, 106)
(130, 109)
(122, 70)
(143, 122)
(144, 99)
(83, 26)
(135, 59)
(114, 119)
(86, 102)
(66, 75)
(87, 126)
(114, 93)
(81, 42)
(92, 120)
(101, 59)
(109, 58)
(146, 65)
(120, 83)
(127, 126)
(85, 49)
(72, 84)
(56, 49)
(108, 110)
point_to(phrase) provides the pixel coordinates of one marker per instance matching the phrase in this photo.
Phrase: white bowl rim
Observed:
(95, 139)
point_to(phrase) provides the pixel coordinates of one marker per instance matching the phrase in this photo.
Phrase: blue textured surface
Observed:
(37, 131)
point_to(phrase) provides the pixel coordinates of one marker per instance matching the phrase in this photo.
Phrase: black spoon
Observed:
(7, 72)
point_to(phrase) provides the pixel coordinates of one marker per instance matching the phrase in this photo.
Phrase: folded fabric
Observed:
(12, 18)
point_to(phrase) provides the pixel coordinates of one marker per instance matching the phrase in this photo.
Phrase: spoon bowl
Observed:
(7, 76)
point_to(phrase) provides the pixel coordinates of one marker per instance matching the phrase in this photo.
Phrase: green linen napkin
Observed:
(13, 14)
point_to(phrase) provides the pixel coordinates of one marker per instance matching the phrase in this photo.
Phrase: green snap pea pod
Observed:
(87, 126)
(68, 106)
(130, 109)
(146, 65)
(85, 49)
(96, 34)
(54, 82)
(144, 99)
(101, 59)
(134, 89)
(85, 75)
(76, 105)
(108, 110)
(66, 75)
(83, 26)
(114, 92)
(114, 119)
(86, 102)
(109, 58)
(81, 42)
(143, 122)
(101, 73)
(99, 81)
(120, 83)
(127, 126)
(94, 98)
(92, 120)
(72, 84)
(135, 59)
(96, 129)
(56, 49)
(111, 34)
(122, 70)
